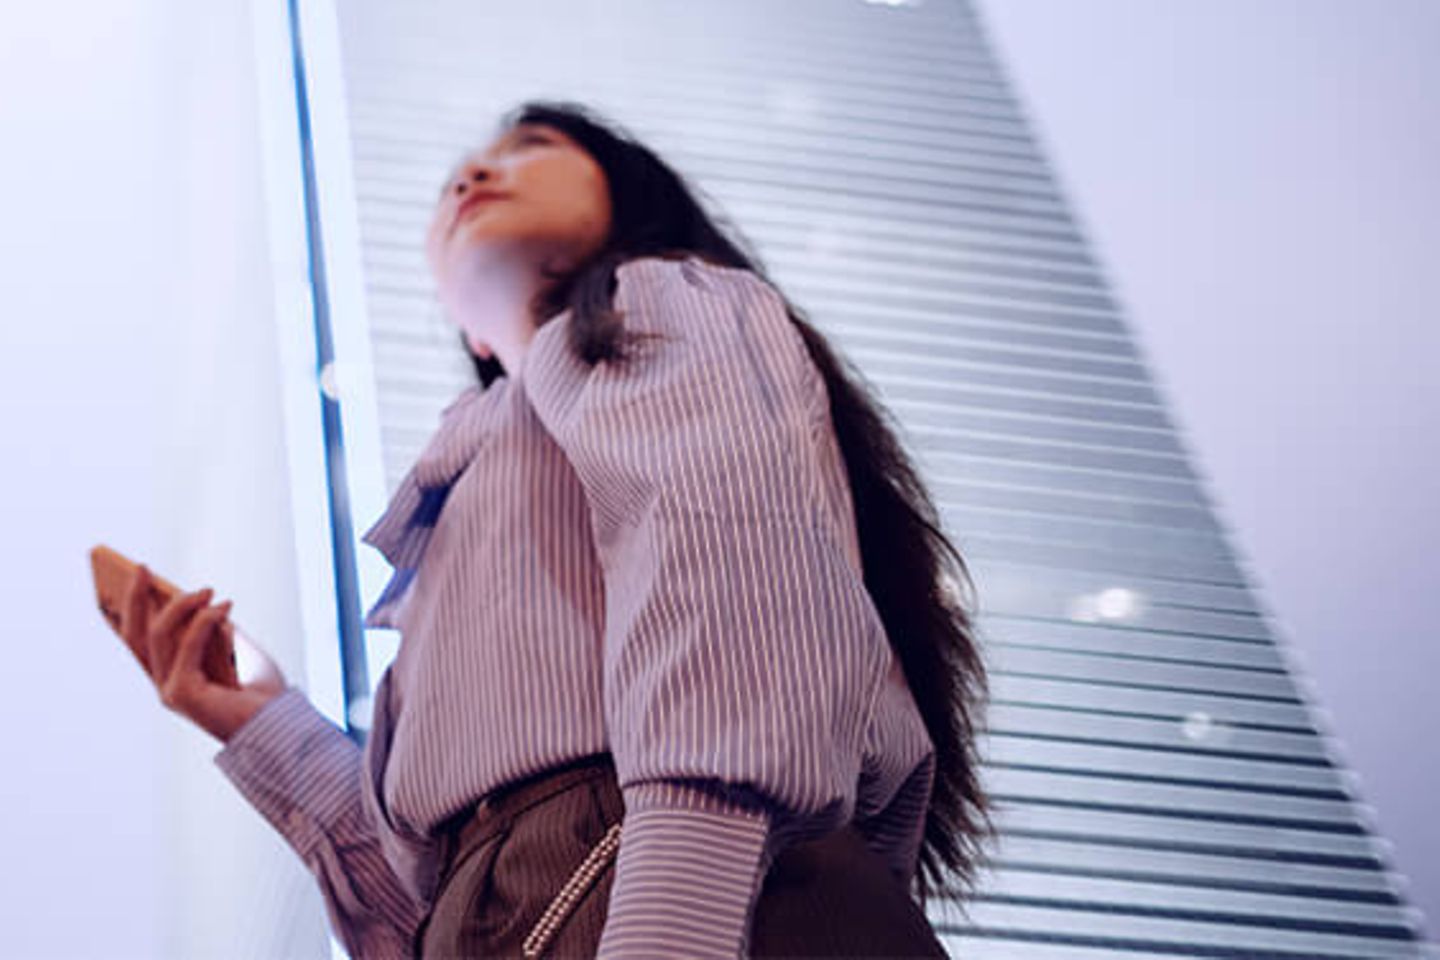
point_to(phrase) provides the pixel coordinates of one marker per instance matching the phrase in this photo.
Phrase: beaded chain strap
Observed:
(585, 875)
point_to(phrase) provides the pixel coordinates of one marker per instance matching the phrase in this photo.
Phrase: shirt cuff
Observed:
(690, 867)
(293, 765)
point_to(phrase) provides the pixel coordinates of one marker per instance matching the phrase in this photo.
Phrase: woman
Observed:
(681, 671)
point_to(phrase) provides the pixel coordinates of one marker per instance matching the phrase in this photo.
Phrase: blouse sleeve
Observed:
(742, 655)
(303, 775)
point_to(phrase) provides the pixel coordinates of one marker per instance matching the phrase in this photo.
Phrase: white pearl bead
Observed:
(570, 893)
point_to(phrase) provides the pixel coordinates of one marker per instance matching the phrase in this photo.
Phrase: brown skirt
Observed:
(544, 850)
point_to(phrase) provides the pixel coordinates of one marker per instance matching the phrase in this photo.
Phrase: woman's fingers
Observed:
(172, 642)
(190, 658)
(162, 638)
(187, 671)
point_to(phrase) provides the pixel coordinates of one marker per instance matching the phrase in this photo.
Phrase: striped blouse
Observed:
(656, 559)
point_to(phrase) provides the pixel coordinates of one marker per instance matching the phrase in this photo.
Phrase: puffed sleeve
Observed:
(742, 655)
(300, 771)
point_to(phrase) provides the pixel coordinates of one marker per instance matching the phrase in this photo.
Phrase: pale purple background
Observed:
(1261, 180)
(1258, 177)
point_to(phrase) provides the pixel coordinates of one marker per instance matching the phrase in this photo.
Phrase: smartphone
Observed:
(113, 572)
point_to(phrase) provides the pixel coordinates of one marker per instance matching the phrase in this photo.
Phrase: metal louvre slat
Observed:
(975, 946)
(1026, 629)
(1141, 701)
(931, 441)
(910, 242)
(1095, 534)
(1009, 585)
(1186, 868)
(1053, 555)
(1019, 719)
(1383, 919)
(1159, 813)
(1067, 478)
(1079, 665)
(855, 324)
(1102, 508)
(1121, 927)
(884, 369)
(893, 262)
(1146, 761)
(1154, 617)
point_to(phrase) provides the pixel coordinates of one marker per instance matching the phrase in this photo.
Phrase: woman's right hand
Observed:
(173, 642)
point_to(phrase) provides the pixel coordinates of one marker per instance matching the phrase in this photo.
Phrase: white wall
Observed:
(1260, 180)
(141, 398)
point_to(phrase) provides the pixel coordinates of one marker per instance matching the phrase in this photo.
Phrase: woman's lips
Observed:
(474, 200)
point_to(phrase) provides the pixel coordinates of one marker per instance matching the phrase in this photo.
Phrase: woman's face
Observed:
(532, 198)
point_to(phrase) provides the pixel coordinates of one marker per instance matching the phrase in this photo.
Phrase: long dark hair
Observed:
(912, 571)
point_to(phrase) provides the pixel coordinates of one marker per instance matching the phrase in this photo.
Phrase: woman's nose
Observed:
(475, 173)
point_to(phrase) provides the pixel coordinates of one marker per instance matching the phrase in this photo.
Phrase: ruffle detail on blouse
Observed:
(403, 530)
